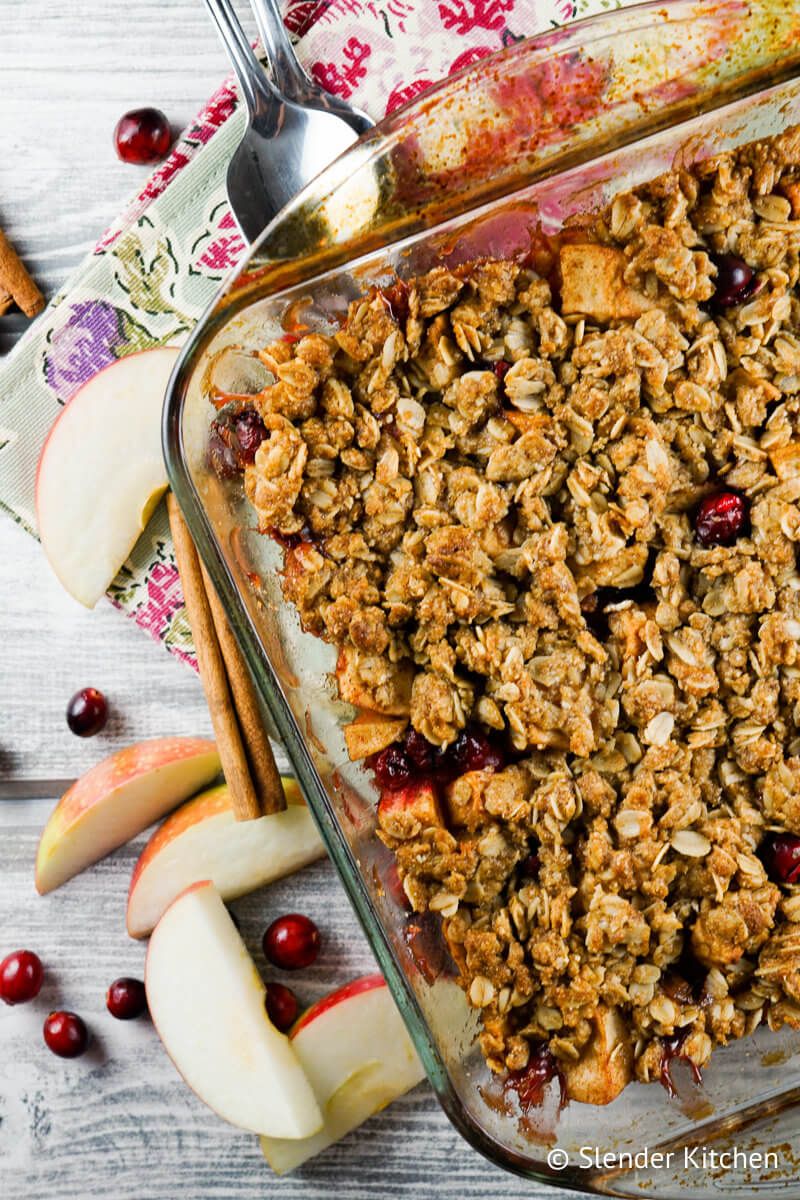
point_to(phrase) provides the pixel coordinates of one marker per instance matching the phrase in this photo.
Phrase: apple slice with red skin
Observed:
(203, 840)
(101, 472)
(118, 799)
(207, 1002)
(356, 1051)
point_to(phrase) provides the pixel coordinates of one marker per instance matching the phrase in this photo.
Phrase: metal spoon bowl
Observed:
(287, 141)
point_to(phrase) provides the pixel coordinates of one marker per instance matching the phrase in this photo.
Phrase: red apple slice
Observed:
(207, 1003)
(203, 840)
(118, 799)
(358, 1056)
(101, 472)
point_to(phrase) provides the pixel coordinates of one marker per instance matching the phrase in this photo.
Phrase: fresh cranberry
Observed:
(281, 1005)
(396, 766)
(142, 135)
(720, 519)
(782, 857)
(736, 282)
(126, 999)
(87, 712)
(392, 768)
(418, 750)
(21, 975)
(531, 1081)
(501, 368)
(66, 1034)
(292, 942)
(444, 767)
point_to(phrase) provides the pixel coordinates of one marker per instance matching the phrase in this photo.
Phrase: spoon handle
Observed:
(253, 83)
(289, 76)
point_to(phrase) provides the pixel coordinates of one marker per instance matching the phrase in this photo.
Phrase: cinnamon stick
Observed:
(266, 776)
(212, 670)
(16, 283)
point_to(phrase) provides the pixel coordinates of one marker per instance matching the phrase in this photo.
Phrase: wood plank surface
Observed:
(119, 1122)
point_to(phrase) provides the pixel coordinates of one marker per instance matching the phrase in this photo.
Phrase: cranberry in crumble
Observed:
(720, 519)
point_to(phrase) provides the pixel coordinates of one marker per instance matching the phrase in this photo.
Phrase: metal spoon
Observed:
(286, 143)
(290, 78)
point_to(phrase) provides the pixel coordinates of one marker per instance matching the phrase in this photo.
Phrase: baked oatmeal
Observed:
(548, 513)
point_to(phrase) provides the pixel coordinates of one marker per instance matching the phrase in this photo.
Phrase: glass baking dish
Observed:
(546, 128)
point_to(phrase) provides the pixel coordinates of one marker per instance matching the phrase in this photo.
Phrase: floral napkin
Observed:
(154, 271)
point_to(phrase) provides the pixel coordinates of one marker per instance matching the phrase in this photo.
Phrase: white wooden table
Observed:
(119, 1122)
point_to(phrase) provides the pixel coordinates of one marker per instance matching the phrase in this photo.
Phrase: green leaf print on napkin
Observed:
(148, 274)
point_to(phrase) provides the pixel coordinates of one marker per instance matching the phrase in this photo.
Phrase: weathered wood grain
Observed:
(51, 647)
(119, 1122)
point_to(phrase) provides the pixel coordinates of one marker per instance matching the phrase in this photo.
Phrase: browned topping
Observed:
(499, 493)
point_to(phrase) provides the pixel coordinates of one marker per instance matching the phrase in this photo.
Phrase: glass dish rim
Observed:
(218, 313)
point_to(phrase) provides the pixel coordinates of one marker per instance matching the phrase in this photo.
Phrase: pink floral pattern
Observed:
(462, 16)
(301, 14)
(216, 113)
(394, 14)
(468, 57)
(163, 614)
(341, 79)
(226, 249)
(405, 92)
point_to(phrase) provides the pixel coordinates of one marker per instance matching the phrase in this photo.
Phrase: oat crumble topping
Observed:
(489, 483)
